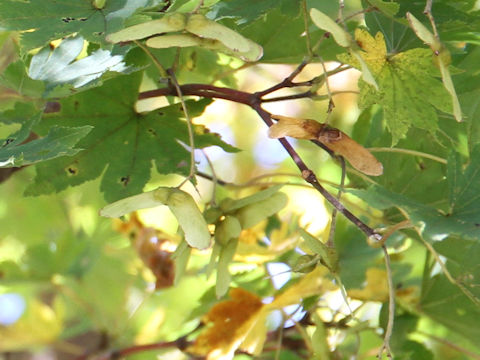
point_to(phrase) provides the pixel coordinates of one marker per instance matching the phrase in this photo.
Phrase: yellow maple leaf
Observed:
(240, 323)
(374, 49)
(376, 288)
(370, 57)
(225, 321)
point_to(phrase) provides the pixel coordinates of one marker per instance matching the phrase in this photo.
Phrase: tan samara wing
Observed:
(294, 127)
(359, 157)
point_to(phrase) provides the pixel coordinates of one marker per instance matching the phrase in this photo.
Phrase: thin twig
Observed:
(303, 95)
(191, 140)
(255, 181)
(341, 6)
(287, 82)
(405, 224)
(307, 94)
(359, 12)
(331, 104)
(307, 32)
(197, 8)
(214, 177)
(180, 344)
(309, 176)
(254, 101)
(161, 69)
(428, 11)
(331, 235)
(278, 344)
(391, 307)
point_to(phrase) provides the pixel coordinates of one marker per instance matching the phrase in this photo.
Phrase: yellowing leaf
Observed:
(311, 284)
(407, 90)
(225, 322)
(373, 50)
(240, 323)
(376, 288)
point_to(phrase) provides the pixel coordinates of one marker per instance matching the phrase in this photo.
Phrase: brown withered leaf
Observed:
(240, 323)
(151, 245)
(227, 321)
(335, 139)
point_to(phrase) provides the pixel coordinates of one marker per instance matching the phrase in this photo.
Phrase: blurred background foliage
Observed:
(73, 284)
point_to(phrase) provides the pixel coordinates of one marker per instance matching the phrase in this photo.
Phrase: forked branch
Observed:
(255, 101)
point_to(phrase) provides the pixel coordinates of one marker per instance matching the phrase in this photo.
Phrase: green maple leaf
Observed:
(463, 217)
(409, 91)
(122, 141)
(246, 11)
(54, 19)
(464, 187)
(18, 150)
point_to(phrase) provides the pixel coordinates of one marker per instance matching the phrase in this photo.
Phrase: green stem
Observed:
(191, 141)
(409, 152)
(161, 69)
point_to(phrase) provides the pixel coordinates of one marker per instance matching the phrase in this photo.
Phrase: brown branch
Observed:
(254, 100)
(287, 82)
(311, 178)
(202, 90)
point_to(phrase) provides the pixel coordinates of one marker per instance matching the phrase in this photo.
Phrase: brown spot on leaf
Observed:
(72, 171)
(52, 106)
(125, 180)
(181, 164)
(8, 141)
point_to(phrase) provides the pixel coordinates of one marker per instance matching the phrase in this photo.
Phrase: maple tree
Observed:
(154, 222)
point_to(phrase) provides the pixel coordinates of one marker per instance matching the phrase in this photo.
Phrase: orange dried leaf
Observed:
(240, 323)
(336, 140)
(225, 325)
